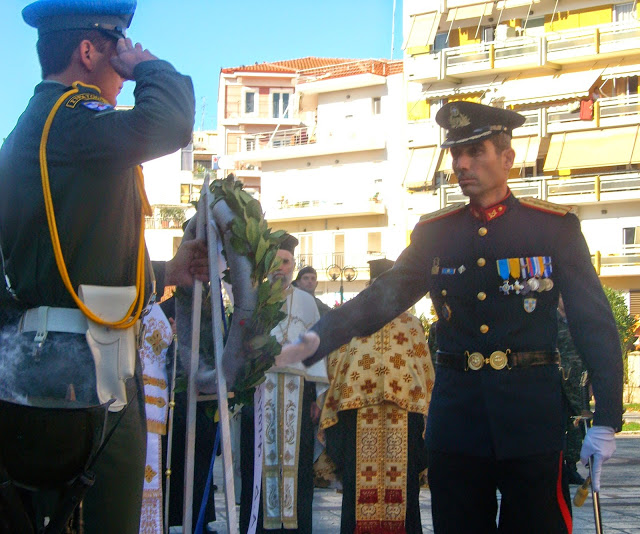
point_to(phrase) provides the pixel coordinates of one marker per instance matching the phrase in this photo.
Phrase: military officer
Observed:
(494, 269)
(73, 213)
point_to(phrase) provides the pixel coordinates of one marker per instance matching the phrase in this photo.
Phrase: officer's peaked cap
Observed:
(468, 122)
(110, 16)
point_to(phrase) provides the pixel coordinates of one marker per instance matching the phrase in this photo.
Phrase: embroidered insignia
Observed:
(543, 205)
(97, 106)
(529, 304)
(83, 97)
(157, 343)
(446, 312)
(457, 119)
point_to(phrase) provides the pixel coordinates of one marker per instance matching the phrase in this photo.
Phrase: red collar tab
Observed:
(492, 212)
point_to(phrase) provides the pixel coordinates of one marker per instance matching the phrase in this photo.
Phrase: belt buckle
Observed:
(475, 361)
(498, 360)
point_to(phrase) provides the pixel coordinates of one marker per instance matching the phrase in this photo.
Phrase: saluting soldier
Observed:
(494, 269)
(72, 151)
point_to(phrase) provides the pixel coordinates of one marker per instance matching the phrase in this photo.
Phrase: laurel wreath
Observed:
(255, 240)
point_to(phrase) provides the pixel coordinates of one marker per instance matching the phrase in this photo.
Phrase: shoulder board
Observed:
(543, 205)
(444, 212)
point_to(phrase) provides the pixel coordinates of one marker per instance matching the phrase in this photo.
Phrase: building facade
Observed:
(571, 67)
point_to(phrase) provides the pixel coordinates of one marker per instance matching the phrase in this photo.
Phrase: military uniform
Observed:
(91, 154)
(475, 263)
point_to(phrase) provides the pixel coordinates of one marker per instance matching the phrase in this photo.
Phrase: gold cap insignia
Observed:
(457, 119)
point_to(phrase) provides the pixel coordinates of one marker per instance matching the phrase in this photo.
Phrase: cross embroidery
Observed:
(404, 318)
(345, 368)
(416, 393)
(354, 376)
(366, 361)
(395, 386)
(332, 403)
(368, 386)
(400, 338)
(397, 360)
(393, 473)
(370, 416)
(393, 416)
(369, 473)
(346, 391)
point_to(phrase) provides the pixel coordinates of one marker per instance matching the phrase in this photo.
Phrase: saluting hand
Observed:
(128, 56)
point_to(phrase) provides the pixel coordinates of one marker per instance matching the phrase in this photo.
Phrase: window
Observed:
(250, 144)
(631, 240)
(374, 243)
(376, 101)
(185, 193)
(623, 12)
(441, 42)
(280, 105)
(625, 86)
(250, 102)
(488, 34)
(338, 249)
(186, 158)
(305, 250)
(535, 27)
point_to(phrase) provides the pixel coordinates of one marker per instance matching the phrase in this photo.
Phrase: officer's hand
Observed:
(190, 263)
(306, 345)
(128, 56)
(599, 443)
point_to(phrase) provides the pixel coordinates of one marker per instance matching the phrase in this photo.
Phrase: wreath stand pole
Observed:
(213, 238)
(205, 225)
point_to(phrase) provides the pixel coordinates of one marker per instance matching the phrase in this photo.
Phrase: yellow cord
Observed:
(128, 320)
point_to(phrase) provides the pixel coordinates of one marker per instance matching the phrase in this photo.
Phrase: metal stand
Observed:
(207, 228)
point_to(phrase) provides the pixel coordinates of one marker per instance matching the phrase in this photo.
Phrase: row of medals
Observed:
(538, 282)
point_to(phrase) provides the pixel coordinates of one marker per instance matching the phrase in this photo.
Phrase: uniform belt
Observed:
(474, 361)
(47, 319)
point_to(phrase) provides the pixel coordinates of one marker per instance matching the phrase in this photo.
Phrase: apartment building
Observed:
(173, 184)
(571, 67)
(321, 141)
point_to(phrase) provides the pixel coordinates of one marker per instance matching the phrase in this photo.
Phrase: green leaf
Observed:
(254, 210)
(253, 233)
(239, 245)
(261, 249)
(277, 235)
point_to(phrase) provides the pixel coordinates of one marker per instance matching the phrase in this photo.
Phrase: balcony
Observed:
(617, 263)
(284, 210)
(306, 142)
(582, 44)
(344, 76)
(525, 53)
(321, 261)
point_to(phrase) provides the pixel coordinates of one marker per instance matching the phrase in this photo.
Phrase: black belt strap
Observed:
(514, 359)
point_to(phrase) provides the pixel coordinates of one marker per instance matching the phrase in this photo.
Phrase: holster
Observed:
(114, 350)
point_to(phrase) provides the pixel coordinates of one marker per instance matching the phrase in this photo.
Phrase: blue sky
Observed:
(202, 36)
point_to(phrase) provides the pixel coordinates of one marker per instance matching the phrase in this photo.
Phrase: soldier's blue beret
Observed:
(468, 122)
(110, 16)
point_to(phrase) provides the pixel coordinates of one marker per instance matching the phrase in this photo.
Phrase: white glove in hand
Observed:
(306, 345)
(600, 442)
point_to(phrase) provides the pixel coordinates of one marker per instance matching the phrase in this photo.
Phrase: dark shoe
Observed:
(573, 477)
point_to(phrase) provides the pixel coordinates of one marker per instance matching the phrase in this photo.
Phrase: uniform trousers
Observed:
(305, 468)
(534, 498)
(341, 447)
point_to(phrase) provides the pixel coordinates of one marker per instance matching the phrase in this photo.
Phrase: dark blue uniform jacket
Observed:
(511, 412)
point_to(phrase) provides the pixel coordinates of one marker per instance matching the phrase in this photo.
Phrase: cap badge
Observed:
(457, 119)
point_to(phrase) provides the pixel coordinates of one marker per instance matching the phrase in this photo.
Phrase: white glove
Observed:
(300, 350)
(600, 442)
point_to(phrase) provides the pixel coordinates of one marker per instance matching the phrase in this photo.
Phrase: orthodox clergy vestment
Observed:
(287, 436)
(373, 417)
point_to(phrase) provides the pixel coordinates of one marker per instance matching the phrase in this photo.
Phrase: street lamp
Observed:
(349, 273)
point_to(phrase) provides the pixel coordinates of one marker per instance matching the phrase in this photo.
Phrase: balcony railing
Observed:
(349, 68)
(158, 223)
(279, 138)
(563, 46)
(619, 106)
(320, 262)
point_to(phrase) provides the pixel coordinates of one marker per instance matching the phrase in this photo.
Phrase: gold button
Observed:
(484, 329)
(481, 262)
(444, 292)
(482, 295)
(482, 231)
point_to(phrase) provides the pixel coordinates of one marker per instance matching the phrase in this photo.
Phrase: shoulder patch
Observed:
(96, 106)
(444, 212)
(74, 100)
(543, 205)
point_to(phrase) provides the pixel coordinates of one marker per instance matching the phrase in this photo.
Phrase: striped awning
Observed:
(421, 166)
(422, 30)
